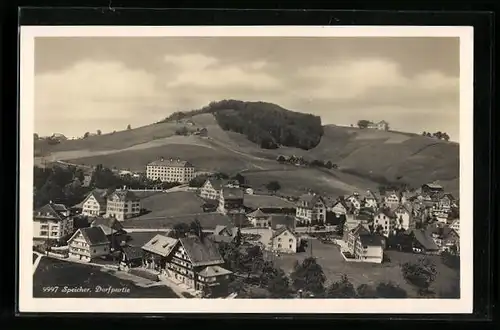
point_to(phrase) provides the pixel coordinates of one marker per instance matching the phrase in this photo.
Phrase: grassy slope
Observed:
(369, 154)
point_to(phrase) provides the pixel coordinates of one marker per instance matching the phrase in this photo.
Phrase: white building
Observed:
(52, 222)
(94, 204)
(386, 219)
(403, 217)
(391, 199)
(284, 240)
(455, 225)
(311, 209)
(122, 204)
(88, 243)
(170, 170)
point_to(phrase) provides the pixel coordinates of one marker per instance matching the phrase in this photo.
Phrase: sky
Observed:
(89, 83)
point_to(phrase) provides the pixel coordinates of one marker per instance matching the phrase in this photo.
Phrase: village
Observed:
(191, 251)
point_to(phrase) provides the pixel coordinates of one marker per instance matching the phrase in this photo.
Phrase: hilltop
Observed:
(365, 158)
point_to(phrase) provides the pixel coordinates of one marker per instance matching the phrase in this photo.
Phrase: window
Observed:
(105, 249)
(290, 240)
(94, 251)
(290, 246)
(279, 245)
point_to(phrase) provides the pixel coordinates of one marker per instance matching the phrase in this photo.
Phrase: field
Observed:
(207, 220)
(53, 272)
(171, 204)
(334, 266)
(367, 157)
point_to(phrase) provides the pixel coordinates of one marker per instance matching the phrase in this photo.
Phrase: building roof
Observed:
(309, 199)
(215, 270)
(221, 238)
(443, 232)
(108, 225)
(370, 195)
(340, 201)
(281, 230)
(217, 184)
(267, 202)
(257, 214)
(371, 240)
(424, 239)
(160, 244)
(93, 235)
(232, 193)
(99, 195)
(433, 185)
(171, 163)
(278, 220)
(60, 208)
(123, 195)
(400, 208)
(132, 252)
(48, 212)
(231, 229)
(360, 230)
(201, 253)
(387, 212)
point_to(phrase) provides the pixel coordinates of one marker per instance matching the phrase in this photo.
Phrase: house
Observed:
(369, 200)
(231, 200)
(369, 248)
(203, 132)
(225, 234)
(52, 222)
(122, 204)
(131, 257)
(170, 170)
(258, 218)
(156, 251)
(94, 204)
(403, 217)
(385, 221)
(284, 240)
(422, 242)
(392, 198)
(353, 235)
(445, 203)
(88, 243)
(197, 264)
(249, 191)
(432, 188)
(311, 209)
(113, 230)
(211, 188)
(339, 207)
(382, 125)
(352, 222)
(446, 239)
(455, 225)
(354, 200)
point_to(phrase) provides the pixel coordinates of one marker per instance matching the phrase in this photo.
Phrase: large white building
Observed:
(52, 222)
(170, 170)
(122, 204)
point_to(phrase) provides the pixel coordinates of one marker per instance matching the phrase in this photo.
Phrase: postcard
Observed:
(290, 169)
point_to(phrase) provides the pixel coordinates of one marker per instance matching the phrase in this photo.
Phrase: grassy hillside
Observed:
(365, 157)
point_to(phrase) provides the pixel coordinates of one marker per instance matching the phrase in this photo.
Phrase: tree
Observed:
(279, 285)
(363, 123)
(86, 135)
(238, 238)
(273, 186)
(446, 137)
(341, 289)
(281, 159)
(451, 260)
(99, 132)
(308, 276)
(237, 286)
(390, 290)
(420, 274)
(240, 178)
(195, 228)
(198, 181)
(35, 136)
(179, 230)
(424, 133)
(366, 291)
(329, 165)
(129, 127)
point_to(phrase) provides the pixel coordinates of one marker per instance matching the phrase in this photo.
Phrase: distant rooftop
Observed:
(171, 162)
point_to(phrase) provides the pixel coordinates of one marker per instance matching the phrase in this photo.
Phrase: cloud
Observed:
(199, 71)
(377, 78)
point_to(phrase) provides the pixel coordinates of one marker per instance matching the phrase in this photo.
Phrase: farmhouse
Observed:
(131, 257)
(446, 239)
(95, 203)
(284, 240)
(52, 222)
(113, 230)
(392, 198)
(369, 200)
(354, 201)
(432, 188)
(170, 170)
(258, 218)
(231, 200)
(445, 203)
(212, 187)
(339, 207)
(122, 204)
(311, 209)
(88, 243)
(156, 251)
(381, 125)
(422, 242)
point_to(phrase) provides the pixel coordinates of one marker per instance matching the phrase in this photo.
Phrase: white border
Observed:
(29, 304)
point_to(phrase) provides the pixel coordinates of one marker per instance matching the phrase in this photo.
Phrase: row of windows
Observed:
(45, 233)
(290, 246)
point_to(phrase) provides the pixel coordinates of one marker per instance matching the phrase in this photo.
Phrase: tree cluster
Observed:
(437, 135)
(265, 124)
(294, 160)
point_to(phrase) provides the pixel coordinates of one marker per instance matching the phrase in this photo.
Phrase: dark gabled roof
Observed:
(59, 208)
(109, 225)
(257, 214)
(341, 202)
(371, 240)
(281, 230)
(232, 193)
(387, 212)
(123, 195)
(282, 220)
(132, 252)
(450, 197)
(424, 239)
(201, 253)
(94, 235)
(99, 195)
(360, 230)
(310, 199)
(48, 212)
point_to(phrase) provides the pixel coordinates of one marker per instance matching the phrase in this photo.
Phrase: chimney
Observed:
(171, 159)
(161, 159)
